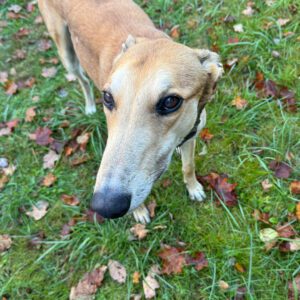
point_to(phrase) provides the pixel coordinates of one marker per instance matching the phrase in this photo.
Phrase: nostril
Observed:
(110, 204)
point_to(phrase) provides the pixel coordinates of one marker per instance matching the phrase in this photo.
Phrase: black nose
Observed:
(111, 204)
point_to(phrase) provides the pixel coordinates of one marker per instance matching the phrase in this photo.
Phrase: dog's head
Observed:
(151, 104)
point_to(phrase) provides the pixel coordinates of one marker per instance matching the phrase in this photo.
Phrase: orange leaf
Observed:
(295, 187)
(175, 32)
(30, 114)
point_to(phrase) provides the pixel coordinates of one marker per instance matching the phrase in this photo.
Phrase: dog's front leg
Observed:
(141, 214)
(195, 189)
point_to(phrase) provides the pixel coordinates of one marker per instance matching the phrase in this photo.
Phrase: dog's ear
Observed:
(210, 61)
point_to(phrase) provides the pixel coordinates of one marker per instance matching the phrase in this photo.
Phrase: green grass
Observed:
(242, 147)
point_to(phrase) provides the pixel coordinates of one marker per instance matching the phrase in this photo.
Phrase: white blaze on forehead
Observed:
(120, 78)
(160, 81)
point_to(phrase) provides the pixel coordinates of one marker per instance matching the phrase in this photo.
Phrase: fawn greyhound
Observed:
(154, 92)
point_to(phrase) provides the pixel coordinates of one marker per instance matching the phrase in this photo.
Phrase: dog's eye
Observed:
(108, 100)
(168, 104)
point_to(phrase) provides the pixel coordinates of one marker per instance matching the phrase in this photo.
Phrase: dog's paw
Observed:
(196, 192)
(141, 214)
(90, 109)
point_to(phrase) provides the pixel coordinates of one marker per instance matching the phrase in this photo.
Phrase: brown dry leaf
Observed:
(175, 32)
(10, 88)
(206, 135)
(151, 208)
(282, 22)
(3, 180)
(30, 114)
(219, 183)
(298, 211)
(5, 242)
(49, 72)
(240, 268)
(91, 216)
(67, 228)
(286, 231)
(139, 231)
(39, 210)
(262, 217)
(166, 183)
(281, 169)
(136, 277)
(49, 180)
(88, 286)
(249, 11)
(198, 261)
(42, 136)
(150, 284)
(295, 187)
(117, 271)
(70, 200)
(239, 103)
(49, 159)
(266, 185)
(44, 45)
(173, 260)
(76, 161)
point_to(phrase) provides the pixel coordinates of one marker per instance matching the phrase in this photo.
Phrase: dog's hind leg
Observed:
(194, 188)
(59, 32)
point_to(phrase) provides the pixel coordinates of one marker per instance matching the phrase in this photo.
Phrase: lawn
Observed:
(43, 264)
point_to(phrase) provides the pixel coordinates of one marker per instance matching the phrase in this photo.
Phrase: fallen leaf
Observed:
(49, 72)
(233, 40)
(76, 161)
(91, 216)
(173, 260)
(198, 261)
(42, 136)
(150, 284)
(5, 131)
(15, 8)
(36, 241)
(298, 211)
(67, 228)
(266, 185)
(49, 180)
(49, 159)
(282, 22)
(270, 2)
(3, 180)
(294, 288)
(30, 7)
(239, 103)
(240, 268)
(139, 231)
(238, 28)
(82, 140)
(262, 217)
(295, 187)
(286, 231)
(70, 200)
(151, 208)
(117, 271)
(224, 189)
(3, 77)
(249, 11)
(268, 235)
(281, 169)
(290, 246)
(88, 286)
(39, 210)
(5, 242)
(44, 45)
(10, 88)
(241, 293)
(30, 114)
(166, 183)
(136, 277)
(10, 170)
(175, 32)
(223, 285)
(38, 20)
(206, 135)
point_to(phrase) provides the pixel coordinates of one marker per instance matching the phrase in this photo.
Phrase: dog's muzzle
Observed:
(111, 204)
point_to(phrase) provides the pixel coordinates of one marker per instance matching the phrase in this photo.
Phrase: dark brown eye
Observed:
(108, 100)
(168, 105)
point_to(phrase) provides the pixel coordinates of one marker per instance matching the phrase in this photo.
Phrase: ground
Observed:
(244, 143)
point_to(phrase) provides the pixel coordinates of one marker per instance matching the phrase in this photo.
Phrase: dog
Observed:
(154, 93)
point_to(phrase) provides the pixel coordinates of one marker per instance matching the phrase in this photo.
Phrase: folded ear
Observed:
(211, 63)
